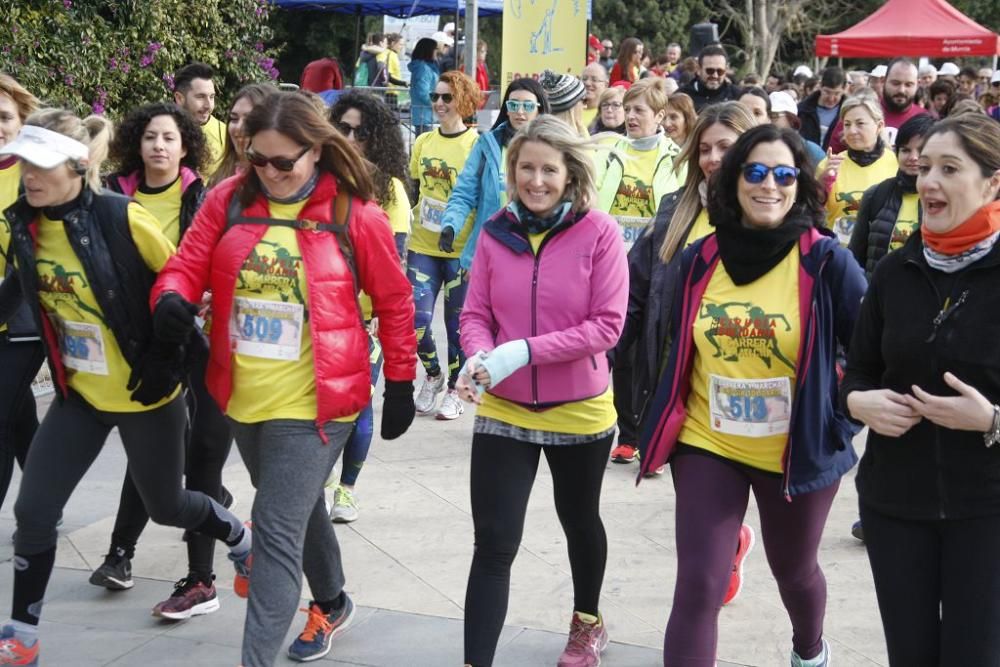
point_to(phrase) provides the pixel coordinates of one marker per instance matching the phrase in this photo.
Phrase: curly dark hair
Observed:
(384, 147)
(126, 145)
(723, 199)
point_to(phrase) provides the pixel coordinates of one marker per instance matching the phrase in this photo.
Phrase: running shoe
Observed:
(586, 641)
(821, 660)
(426, 399)
(315, 640)
(345, 506)
(743, 547)
(242, 565)
(858, 531)
(14, 652)
(624, 453)
(115, 573)
(191, 597)
(656, 473)
(451, 406)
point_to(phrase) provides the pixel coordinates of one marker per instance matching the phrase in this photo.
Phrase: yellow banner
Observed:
(543, 34)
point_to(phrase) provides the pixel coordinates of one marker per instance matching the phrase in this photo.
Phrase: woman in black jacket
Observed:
(890, 211)
(924, 374)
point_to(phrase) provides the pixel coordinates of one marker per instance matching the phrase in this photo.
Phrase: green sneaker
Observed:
(345, 506)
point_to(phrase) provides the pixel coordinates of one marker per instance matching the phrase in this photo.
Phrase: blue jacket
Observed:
(831, 286)
(423, 78)
(478, 187)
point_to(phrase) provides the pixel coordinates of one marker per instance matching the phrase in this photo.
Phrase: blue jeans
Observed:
(427, 275)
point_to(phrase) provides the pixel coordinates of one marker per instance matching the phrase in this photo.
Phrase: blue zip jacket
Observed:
(478, 187)
(831, 286)
(423, 77)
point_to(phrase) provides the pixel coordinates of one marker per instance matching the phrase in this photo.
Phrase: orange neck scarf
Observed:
(967, 235)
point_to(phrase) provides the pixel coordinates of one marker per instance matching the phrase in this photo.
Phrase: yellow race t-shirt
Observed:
(165, 205)
(634, 205)
(10, 179)
(399, 215)
(436, 162)
(274, 376)
(746, 342)
(589, 115)
(907, 221)
(845, 197)
(215, 138)
(95, 366)
(700, 229)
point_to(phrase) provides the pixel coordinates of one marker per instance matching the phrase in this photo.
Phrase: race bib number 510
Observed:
(750, 408)
(267, 329)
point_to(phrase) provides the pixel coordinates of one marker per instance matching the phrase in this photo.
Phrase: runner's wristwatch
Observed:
(992, 436)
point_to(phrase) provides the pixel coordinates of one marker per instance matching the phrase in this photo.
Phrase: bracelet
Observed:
(992, 436)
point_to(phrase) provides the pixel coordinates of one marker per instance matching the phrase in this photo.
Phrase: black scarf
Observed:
(530, 223)
(907, 182)
(749, 252)
(865, 158)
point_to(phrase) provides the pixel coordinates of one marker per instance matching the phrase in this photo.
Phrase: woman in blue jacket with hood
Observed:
(424, 74)
(482, 184)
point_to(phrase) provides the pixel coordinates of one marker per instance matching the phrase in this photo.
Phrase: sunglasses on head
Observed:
(755, 173)
(444, 97)
(714, 71)
(279, 163)
(361, 133)
(517, 106)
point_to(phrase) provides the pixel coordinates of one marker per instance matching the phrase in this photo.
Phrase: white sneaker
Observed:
(451, 406)
(426, 399)
(345, 506)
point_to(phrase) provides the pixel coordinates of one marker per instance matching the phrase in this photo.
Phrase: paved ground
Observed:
(407, 559)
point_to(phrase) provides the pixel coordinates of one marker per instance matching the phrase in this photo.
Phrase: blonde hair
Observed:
(25, 101)
(94, 132)
(730, 114)
(573, 117)
(611, 92)
(866, 99)
(653, 88)
(577, 152)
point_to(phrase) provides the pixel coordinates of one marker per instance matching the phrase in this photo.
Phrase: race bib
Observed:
(82, 347)
(750, 408)
(843, 227)
(632, 228)
(431, 213)
(267, 329)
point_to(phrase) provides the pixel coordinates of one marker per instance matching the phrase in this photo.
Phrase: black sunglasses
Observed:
(714, 71)
(755, 173)
(361, 133)
(279, 163)
(446, 97)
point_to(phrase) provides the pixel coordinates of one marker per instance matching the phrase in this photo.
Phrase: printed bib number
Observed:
(632, 228)
(267, 329)
(750, 408)
(82, 347)
(431, 213)
(843, 227)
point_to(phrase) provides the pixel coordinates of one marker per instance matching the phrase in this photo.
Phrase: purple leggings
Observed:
(712, 497)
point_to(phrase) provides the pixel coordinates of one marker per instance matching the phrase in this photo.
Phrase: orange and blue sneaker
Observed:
(624, 453)
(242, 564)
(14, 652)
(316, 638)
(743, 547)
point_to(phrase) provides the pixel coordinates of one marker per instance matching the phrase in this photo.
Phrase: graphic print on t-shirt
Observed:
(437, 179)
(843, 226)
(747, 332)
(633, 207)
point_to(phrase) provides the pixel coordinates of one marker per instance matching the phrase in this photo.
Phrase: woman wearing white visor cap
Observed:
(85, 261)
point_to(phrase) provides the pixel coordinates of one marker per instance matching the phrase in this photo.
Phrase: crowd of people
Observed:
(649, 262)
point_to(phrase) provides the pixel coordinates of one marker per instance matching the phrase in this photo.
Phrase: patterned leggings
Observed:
(427, 275)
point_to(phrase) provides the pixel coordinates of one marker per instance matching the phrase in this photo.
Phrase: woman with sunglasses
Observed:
(435, 163)
(752, 369)
(424, 73)
(482, 185)
(234, 155)
(86, 260)
(865, 163)
(372, 128)
(923, 374)
(284, 249)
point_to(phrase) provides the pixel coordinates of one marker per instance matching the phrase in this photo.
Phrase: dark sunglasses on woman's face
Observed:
(279, 163)
(361, 133)
(756, 173)
(444, 97)
(517, 106)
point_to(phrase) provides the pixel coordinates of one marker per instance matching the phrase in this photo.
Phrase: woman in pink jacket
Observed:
(546, 300)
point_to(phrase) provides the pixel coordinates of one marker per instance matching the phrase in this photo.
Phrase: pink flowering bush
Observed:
(108, 56)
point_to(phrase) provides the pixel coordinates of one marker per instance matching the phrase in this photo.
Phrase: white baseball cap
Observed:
(996, 77)
(803, 69)
(949, 69)
(443, 38)
(783, 102)
(879, 72)
(449, 27)
(44, 148)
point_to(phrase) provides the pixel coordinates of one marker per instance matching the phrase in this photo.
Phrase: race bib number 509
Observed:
(267, 329)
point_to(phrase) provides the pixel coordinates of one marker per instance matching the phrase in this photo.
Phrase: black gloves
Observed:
(397, 409)
(173, 318)
(156, 374)
(446, 242)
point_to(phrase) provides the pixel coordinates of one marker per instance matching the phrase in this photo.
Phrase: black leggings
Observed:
(18, 418)
(208, 448)
(938, 588)
(503, 472)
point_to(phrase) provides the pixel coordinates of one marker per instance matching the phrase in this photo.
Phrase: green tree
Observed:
(654, 22)
(108, 56)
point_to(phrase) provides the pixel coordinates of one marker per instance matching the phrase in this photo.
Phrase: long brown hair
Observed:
(256, 93)
(295, 117)
(625, 52)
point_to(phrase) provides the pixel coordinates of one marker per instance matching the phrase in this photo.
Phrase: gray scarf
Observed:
(953, 263)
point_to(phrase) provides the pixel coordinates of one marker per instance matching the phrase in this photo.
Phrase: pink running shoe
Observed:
(586, 641)
(743, 547)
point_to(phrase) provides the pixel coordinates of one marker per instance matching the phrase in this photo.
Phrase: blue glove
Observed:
(506, 359)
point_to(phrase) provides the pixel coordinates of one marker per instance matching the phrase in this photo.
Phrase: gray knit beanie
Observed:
(563, 90)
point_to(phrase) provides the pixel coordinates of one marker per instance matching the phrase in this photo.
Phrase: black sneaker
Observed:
(115, 573)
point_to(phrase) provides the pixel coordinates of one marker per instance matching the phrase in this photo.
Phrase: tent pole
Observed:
(471, 36)
(357, 32)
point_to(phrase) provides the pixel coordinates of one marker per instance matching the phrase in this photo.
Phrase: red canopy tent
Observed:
(930, 28)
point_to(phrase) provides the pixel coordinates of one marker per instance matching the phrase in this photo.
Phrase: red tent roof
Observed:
(930, 28)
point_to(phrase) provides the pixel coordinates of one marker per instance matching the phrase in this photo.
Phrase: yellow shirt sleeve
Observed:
(398, 211)
(154, 247)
